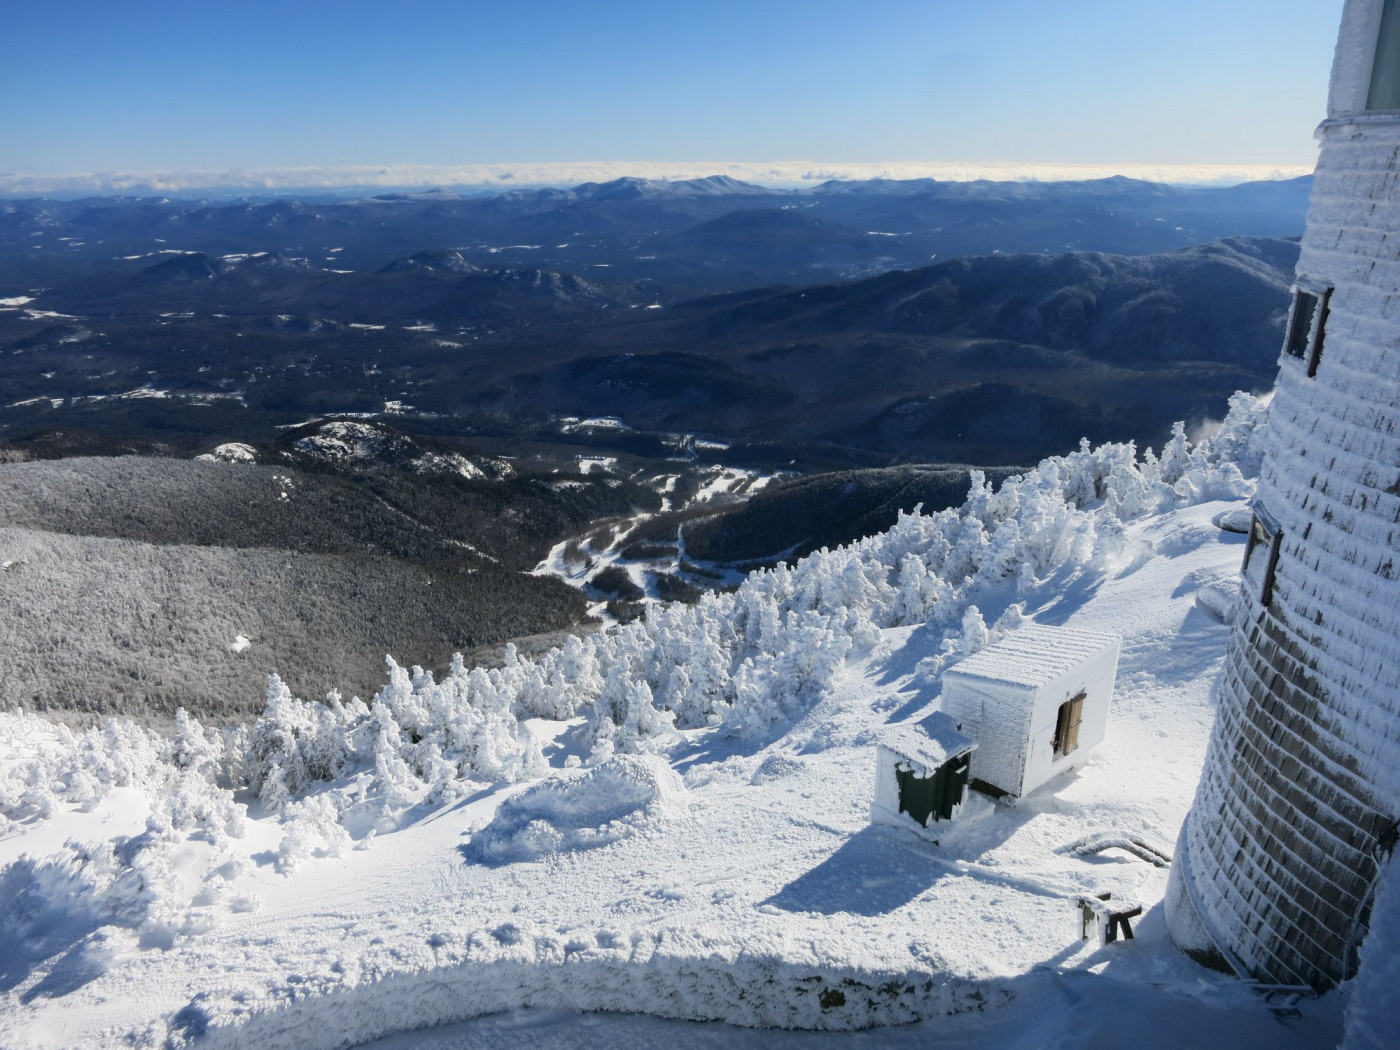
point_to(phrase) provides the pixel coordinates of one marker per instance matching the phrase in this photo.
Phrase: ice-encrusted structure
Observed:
(1036, 703)
(921, 773)
(1297, 808)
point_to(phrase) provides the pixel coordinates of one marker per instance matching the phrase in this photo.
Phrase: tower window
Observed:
(1306, 323)
(1261, 555)
(1385, 67)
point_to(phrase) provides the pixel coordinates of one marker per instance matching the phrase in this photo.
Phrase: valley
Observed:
(307, 433)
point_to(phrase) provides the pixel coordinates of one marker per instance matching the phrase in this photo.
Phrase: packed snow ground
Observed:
(655, 847)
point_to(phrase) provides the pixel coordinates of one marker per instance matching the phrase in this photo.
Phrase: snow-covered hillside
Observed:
(670, 818)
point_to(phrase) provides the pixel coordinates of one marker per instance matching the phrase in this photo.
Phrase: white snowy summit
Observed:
(673, 816)
(677, 816)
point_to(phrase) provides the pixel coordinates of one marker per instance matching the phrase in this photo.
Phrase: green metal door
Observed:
(936, 796)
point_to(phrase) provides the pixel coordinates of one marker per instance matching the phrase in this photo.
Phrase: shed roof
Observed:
(928, 743)
(1033, 656)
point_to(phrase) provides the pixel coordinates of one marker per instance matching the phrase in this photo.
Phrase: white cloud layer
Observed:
(502, 176)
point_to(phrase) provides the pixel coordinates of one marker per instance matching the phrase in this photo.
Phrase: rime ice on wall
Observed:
(1298, 802)
(1011, 698)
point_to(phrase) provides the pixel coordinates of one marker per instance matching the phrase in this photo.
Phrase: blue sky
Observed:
(113, 85)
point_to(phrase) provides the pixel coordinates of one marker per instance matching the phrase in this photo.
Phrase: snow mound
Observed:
(342, 441)
(230, 452)
(1237, 520)
(581, 811)
(1218, 600)
(1217, 592)
(777, 767)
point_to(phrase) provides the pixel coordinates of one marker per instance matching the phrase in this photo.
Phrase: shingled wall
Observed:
(1298, 803)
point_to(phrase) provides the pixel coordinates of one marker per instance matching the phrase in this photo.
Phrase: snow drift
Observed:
(580, 811)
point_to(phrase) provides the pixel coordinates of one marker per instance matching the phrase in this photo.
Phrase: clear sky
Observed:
(113, 85)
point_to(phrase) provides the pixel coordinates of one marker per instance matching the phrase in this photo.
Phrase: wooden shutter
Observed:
(1067, 721)
(1076, 715)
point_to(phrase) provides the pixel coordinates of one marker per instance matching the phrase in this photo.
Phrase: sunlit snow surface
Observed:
(770, 877)
(713, 860)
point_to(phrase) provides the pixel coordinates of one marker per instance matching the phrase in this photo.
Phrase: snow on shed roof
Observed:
(928, 743)
(1033, 656)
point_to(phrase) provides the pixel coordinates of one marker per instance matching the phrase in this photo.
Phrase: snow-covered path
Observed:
(578, 560)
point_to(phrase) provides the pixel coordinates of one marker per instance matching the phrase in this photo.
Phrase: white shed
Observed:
(1036, 702)
(921, 773)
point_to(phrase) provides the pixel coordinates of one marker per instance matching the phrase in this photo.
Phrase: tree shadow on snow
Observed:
(1066, 593)
(715, 747)
(1200, 639)
(876, 871)
(41, 920)
(75, 968)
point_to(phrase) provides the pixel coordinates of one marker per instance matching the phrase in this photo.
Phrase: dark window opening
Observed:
(1385, 67)
(1261, 555)
(1306, 325)
(936, 796)
(1067, 724)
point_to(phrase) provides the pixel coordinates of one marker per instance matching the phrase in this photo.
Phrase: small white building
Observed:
(1035, 702)
(921, 773)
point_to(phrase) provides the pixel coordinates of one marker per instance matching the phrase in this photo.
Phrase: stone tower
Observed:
(1297, 808)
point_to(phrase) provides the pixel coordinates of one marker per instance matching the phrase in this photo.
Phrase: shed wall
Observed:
(884, 808)
(998, 718)
(1094, 678)
(1014, 726)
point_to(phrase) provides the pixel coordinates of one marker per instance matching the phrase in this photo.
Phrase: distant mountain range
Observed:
(441, 392)
(682, 239)
(856, 324)
(996, 359)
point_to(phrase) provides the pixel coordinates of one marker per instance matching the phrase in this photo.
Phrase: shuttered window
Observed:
(1261, 555)
(1306, 325)
(1067, 724)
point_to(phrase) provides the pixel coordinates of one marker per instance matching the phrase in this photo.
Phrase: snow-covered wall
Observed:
(1301, 787)
(996, 715)
(1008, 699)
(667, 974)
(923, 749)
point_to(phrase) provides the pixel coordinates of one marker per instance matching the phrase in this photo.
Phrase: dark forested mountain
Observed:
(138, 576)
(990, 359)
(794, 517)
(441, 392)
